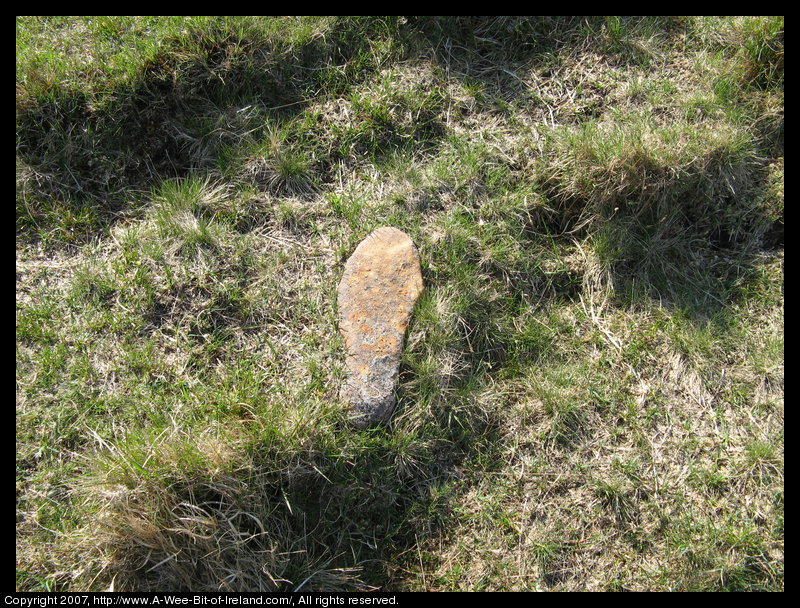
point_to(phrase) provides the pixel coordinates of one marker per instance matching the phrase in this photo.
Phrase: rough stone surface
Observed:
(381, 283)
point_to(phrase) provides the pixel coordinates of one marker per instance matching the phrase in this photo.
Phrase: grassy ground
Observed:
(591, 396)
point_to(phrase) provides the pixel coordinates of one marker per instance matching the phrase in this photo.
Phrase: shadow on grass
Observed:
(347, 511)
(85, 158)
(491, 50)
(691, 247)
(88, 157)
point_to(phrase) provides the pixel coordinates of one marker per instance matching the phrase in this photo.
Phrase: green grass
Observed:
(591, 393)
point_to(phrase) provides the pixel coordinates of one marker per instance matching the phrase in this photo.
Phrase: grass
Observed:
(591, 393)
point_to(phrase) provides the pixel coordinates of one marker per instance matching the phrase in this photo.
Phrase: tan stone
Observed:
(380, 285)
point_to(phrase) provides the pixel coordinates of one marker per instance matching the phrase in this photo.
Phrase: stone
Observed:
(380, 285)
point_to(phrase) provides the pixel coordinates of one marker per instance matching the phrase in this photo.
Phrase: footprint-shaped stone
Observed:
(381, 283)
